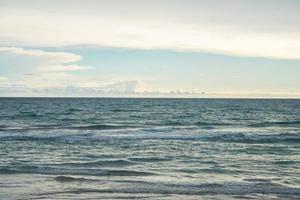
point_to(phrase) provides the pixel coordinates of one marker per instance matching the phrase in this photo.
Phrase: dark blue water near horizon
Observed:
(126, 148)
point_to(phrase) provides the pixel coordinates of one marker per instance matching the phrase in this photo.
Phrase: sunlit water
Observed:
(149, 149)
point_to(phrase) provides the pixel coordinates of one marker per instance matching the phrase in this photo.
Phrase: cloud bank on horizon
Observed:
(265, 29)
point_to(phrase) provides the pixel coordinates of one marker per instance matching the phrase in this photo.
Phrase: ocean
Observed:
(126, 148)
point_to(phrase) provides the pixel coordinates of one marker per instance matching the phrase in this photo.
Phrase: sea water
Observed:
(110, 148)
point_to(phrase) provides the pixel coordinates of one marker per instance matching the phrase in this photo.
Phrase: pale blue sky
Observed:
(98, 48)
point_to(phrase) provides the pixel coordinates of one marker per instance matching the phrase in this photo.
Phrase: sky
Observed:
(157, 48)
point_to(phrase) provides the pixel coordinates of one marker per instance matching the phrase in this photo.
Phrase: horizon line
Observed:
(131, 97)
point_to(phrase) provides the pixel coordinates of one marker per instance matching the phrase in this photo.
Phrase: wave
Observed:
(3, 128)
(63, 127)
(212, 124)
(185, 124)
(149, 127)
(25, 114)
(97, 127)
(29, 138)
(286, 162)
(50, 170)
(255, 138)
(226, 137)
(103, 163)
(226, 188)
(125, 110)
(207, 137)
(233, 138)
(251, 125)
(149, 159)
(276, 124)
(74, 110)
(73, 179)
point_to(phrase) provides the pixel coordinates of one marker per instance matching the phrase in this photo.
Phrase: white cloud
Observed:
(3, 79)
(127, 87)
(62, 68)
(236, 28)
(49, 61)
(50, 57)
(52, 74)
(53, 69)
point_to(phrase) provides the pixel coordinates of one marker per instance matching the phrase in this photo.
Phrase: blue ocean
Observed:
(126, 148)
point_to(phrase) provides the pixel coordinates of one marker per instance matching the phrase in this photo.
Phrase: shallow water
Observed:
(56, 148)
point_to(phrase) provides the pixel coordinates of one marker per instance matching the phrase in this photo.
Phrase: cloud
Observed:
(250, 28)
(3, 79)
(62, 68)
(127, 87)
(48, 69)
(49, 61)
(53, 74)
(50, 57)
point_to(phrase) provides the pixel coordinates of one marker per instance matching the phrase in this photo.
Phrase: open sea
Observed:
(119, 148)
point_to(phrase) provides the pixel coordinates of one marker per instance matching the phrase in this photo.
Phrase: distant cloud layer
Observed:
(119, 88)
(125, 89)
(234, 27)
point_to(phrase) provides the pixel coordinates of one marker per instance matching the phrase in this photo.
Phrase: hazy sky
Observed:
(150, 48)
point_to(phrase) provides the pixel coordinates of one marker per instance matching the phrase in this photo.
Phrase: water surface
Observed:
(60, 148)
